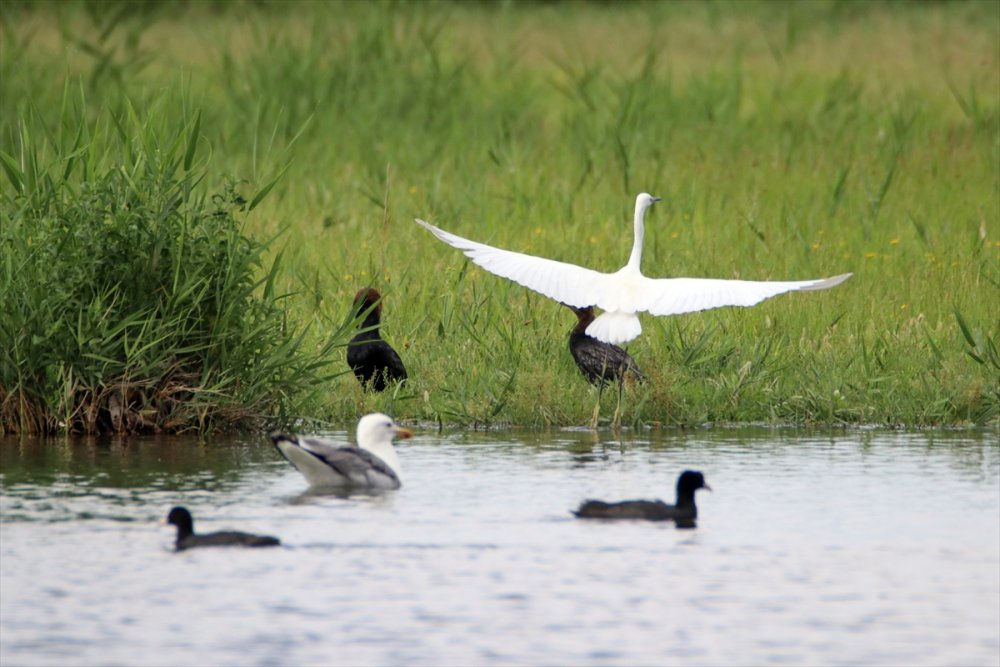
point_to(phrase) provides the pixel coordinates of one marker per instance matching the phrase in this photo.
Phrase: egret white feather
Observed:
(626, 292)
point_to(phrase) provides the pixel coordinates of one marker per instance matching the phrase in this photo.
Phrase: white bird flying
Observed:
(624, 294)
(373, 464)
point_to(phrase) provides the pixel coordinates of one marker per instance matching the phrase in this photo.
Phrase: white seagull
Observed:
(624, 294)
(373, 464)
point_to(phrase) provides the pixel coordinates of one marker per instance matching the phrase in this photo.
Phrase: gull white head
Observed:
(376, 433)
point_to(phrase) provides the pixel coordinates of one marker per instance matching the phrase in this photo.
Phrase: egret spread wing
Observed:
(672, 296)
(568, 283)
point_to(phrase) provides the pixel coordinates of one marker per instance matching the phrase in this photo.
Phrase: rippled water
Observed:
(845, 548)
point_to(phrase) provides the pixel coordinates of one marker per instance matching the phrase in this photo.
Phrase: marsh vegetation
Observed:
(192, 194)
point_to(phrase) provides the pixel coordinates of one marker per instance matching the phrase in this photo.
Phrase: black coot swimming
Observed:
(599, 362)
(373, 360)
(188, 539)
(684, 512)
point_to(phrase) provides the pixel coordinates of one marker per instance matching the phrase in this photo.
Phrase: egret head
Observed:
(645, 200)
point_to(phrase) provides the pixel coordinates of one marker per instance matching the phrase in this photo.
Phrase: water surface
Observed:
(842, 548)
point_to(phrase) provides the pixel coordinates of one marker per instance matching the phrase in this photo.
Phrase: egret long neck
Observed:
(635, 259)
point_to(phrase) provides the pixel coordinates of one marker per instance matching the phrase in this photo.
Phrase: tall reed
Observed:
(131, 297)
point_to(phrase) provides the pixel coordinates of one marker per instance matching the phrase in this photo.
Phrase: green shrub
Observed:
(130, 300)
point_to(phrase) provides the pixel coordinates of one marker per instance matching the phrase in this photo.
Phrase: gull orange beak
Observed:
(403, 432)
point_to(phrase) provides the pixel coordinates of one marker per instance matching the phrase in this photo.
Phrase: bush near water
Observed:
(134, 301)
(790, 140)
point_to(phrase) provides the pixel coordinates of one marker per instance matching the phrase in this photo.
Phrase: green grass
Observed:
(789, 141)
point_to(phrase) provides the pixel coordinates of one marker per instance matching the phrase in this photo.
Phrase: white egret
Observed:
(373, 464)
(624, 294)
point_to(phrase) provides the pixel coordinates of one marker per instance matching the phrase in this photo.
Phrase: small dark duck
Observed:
(188, 539)
(684, 512)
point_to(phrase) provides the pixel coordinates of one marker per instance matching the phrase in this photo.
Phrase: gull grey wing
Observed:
(325, 464)
(320, 445)
(360, 467)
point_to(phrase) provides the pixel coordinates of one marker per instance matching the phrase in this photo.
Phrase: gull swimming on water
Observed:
(624, 294)
(373, 464)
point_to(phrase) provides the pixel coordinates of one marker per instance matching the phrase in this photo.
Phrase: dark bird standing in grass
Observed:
(599, 361)
(684, 512)
(187, 539)
(373, 361)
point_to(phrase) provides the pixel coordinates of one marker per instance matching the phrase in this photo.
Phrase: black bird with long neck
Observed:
(373, 360)
(599, 362)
